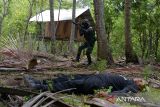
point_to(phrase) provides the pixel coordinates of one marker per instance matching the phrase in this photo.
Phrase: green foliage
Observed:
(26, 98)
(148, 96)
(147, 72)
(146, 89)
(2, 105)
(76, 101)
(128, 105)
(117, 37)
(107, 90)
(145, 23)
(158, 57)
(152, 95)
(49, 83)
(84, 3)
(94, 52)
(144, 27)
(99, 65)
(1, 5)
(15, 20)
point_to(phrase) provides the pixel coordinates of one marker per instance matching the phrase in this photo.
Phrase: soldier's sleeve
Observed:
(81, 31)
(129, 88)
(90, 29)
(85, 31)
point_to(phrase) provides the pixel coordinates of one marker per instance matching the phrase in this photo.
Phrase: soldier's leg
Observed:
(83, 46)
(88, 54)
(75, 84)
(34, 84)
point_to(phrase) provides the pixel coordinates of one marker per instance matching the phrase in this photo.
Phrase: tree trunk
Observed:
(4, 12)
(150, 45)
(157, 42)
(130, 55)
(27, 23)
(52, 25)
(1, 20)
(103, 51)
(72, 28)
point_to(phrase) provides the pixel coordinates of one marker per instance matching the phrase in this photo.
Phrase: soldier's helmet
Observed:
(85, 23)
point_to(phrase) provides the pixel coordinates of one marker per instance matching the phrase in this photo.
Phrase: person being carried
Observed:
(89, 34)
(87, 84)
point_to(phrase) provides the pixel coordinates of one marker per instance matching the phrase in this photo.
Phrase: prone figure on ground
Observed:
(87, 84)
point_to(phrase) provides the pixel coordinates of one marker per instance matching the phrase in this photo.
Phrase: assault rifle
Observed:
(78, 24)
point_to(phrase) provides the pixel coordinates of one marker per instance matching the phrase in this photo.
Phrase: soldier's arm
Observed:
(85, 31)
(129, 88)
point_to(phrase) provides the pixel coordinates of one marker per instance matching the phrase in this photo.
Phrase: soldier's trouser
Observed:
(82, 84)
(70, 81)
(88, 52)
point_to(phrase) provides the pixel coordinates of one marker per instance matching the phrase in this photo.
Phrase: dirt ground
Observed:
(69, 67)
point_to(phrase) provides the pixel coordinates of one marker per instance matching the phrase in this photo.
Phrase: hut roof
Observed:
(65, 14)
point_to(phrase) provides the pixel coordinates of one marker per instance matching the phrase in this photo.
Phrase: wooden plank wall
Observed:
(63, 30)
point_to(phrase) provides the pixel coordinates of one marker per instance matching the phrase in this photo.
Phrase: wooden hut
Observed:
(63, 22)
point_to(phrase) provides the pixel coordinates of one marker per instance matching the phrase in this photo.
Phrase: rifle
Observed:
(77, 24)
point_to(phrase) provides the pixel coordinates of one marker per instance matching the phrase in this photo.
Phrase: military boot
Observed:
(34, 84)
(89, 60)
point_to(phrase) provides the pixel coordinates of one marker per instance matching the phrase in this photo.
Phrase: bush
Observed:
(147, 71)
(100, 65)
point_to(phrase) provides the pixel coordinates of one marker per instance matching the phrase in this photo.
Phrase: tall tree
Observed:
(4, 11)
(129, 53)
(73, 28)
(51, 2)
(31, 3)
(83, 3)
(103, 51)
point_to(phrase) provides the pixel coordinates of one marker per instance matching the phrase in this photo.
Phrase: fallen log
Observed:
(12, 69)
(16, 91)
(19, 66)
(154, 83)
